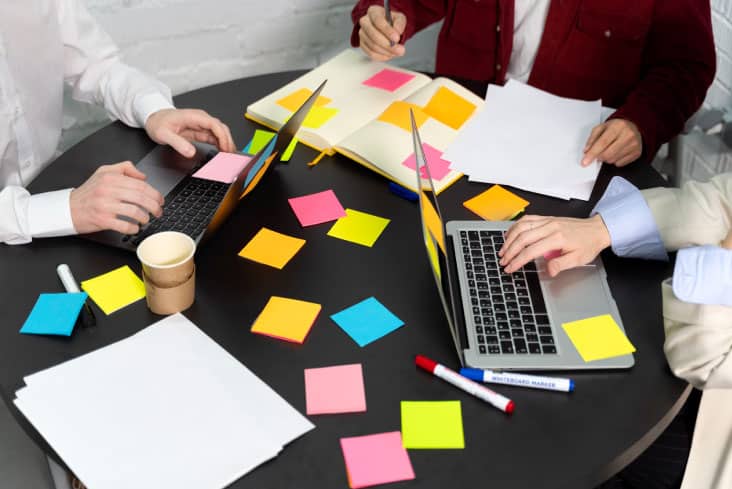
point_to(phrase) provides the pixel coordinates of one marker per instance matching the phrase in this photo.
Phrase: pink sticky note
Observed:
(224, 167)
(438, 167)
(388, 80)
(317, 208)
(376, 459)
(552, 254)
(331, 390)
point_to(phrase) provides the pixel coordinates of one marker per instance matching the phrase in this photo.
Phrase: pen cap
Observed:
(425, 363)
(472, 374)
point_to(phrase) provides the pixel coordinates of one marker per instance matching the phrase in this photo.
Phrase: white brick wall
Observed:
(194, 43)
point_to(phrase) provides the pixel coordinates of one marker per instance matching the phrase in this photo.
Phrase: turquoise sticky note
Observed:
(367, 321)
(54, 314)
(259, 141)
(258, 165)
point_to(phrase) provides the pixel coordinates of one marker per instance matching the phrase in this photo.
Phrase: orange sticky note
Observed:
(293, 101)
(449, 108)
(319, 116)
(259, 175)
(496, 204)
(286, 319)
(271, 248)
(398, 114)
(432, 220)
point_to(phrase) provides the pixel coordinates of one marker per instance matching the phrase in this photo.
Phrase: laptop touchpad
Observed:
(165, 167)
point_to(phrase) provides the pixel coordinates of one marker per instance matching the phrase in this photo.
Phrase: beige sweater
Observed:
(699, 337)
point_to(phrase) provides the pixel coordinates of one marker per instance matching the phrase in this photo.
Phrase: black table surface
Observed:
(553, 440)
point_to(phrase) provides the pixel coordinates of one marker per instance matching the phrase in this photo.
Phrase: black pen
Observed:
(387, 9)
(67, 278)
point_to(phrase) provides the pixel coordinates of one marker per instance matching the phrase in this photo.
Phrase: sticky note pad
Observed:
(432, 424)
(293, 101)
(438, 167)
(389, 80)
(367, 321)
(271, 248)
(286, 319)
(358, 227)
(332, 390)
(319, 116)
(449, 108)
(432, 220)
(317, 208)
(224, 167)
(287, 154)
(54, 314)
(258, 141)
(496, 204)
(598, 337)
(398, 114)
(114, 290)
(376, 459)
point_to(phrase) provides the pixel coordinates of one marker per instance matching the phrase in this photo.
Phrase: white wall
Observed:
(193, 43)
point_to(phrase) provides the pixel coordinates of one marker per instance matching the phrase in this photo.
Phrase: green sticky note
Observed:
(432, 424)
(289, 150)
(598, 337)
(259, 140)
(359, 227)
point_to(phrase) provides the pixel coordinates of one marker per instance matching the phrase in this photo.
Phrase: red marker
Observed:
(503, 403)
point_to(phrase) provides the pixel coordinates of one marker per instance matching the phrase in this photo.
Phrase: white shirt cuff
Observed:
(147, 105)
(49, 214)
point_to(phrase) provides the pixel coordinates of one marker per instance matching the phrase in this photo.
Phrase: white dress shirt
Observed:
(528, 27)
(44, 44)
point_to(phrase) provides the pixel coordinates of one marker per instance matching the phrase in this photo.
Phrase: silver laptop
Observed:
(507, 321)
(196, 206)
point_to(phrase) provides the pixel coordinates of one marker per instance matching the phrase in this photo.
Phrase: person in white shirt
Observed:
(45, 44)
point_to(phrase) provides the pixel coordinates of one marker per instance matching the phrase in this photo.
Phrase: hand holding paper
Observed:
(617, 142)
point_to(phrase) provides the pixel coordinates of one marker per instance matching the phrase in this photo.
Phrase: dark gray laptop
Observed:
(197, 206)
(508, 321)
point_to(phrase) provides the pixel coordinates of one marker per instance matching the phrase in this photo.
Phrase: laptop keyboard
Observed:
(508, 310)
(194, 202)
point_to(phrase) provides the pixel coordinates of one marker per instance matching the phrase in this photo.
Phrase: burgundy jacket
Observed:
(652, 59)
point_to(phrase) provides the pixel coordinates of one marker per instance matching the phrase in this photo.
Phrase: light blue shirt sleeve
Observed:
(633, 231)
(703, 275)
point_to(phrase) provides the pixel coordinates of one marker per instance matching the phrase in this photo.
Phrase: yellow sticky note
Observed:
(496, 204)
(319, 116)
(286, 319)
(432, 424)
(449, 108)
(293, 101)
(398, 114)
(432, 220)
(272, 248)
(289, 150)
(432, 254)
(598, 337)
(114, 290)
(358, 227)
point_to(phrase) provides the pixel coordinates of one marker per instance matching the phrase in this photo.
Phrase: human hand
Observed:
(579, 241)
(727, 242)
(376, 35)
(177, 127)
(112, 191)
(617, 142)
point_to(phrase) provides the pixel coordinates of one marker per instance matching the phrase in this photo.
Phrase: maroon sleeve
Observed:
(419, 13)
(679, 64)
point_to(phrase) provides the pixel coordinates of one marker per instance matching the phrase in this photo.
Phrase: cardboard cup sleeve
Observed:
(169, 300)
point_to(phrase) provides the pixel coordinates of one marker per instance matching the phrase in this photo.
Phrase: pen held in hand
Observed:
(387, 10)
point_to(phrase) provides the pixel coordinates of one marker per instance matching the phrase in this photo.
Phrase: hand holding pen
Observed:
(380, 32)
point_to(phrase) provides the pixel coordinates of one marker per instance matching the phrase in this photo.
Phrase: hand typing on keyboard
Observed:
(579, 241)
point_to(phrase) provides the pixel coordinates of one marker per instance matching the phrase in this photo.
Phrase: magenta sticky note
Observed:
(224, 167)
(438, 167)
(389, 80)
(317, 208)
(333, 390)
(376, 459)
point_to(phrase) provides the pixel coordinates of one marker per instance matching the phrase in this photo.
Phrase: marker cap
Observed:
(472, 374)
(425, 363)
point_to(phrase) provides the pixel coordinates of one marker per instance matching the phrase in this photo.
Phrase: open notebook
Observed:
(363, 113)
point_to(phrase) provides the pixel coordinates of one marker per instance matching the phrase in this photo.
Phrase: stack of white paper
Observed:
(529, 139)
(167, 407)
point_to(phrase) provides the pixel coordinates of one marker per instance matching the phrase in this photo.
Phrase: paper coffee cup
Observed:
(168, 271)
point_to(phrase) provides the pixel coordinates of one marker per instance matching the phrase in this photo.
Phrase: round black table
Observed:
(553, 440)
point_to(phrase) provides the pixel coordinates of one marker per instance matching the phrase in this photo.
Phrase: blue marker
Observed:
(519, 380)
(402, 192)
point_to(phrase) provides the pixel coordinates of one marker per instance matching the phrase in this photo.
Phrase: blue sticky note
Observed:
(258, 165)
(54, 314)
(367, 321)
